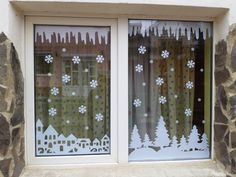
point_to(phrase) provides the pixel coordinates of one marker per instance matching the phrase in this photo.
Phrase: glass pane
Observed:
(72, 90)
(169, 90)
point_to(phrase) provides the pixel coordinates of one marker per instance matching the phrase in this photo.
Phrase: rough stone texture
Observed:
(225, 106)
(11, 111)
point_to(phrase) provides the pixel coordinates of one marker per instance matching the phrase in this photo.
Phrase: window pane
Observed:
(72, 90)
(169, 90)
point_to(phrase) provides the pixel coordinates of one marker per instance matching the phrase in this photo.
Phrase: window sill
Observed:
(207, 168)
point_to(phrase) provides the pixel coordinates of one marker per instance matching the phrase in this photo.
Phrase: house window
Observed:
(169, 90)
(72, 88)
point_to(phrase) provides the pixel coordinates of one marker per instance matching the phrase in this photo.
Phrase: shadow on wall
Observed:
(11, 111)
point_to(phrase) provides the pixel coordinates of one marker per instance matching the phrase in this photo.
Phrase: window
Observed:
(169, 90)
(161, 75)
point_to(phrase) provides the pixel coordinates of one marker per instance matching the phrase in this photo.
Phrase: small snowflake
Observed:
(192, 49)
(49, 100)
(82, 109)
(73, 93)
(66, 78)
(52, 112)
(144, 84)
(93, 83)
(189, 85)
(86, 70)
(199, 99)
(191, 64)
(96, 97)
(49, 74)
(165, 54)
(203, 121)
(176, 121)
(48, 59)
(76, 59)
(137, 102)
(162, 100)
(159, 81)
(188, 112)
(151, 61)
(68, 121)
(63, 49)
(54, 91)
(145, 114)
(176, 96)
(100, 58)
(99, 117)
(86, 127)
(172, 69)
(201, 70)
(142, 49)
(139, 68)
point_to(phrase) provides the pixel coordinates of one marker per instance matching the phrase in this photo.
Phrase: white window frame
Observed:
(31, 158)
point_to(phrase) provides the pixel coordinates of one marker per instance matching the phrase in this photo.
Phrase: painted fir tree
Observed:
(174, 142)
(162, 136)
(135, 141)
(183, 143)
(204, 144)
(146, 141)
(193, 139)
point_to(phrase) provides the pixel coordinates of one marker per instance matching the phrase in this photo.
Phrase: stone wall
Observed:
(225, 105)
(11, 111)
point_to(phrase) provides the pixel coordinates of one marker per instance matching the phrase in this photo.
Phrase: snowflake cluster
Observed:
(162, 100)
(82, 109)
(48, 59)
(93, 83)
(188, 112)
(159, 81)
(191, 64)
(139, 68)
(189, 85)
(142, 49)
(54, 91)
(165, 54)
(99, 117)
(65, 78)
(137, 102)
(52, 112)
(76, 59)
(100, 58)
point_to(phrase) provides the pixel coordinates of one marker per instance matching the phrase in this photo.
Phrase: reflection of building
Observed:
(49, 143)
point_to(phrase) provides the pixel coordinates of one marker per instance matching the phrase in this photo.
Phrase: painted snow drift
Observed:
(195, 146)
(49, 142)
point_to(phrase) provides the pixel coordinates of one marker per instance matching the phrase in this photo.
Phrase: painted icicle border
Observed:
(75, 30)
(175, 28)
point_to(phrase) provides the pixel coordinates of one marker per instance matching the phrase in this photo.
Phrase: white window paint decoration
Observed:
(169, 115)
(72, 90)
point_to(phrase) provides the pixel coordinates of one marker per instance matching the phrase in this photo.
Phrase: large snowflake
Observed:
(100, 58)
(82, 109)
(165, 54)
(159, 81)
(142, 49)
(52, 112)
(48, 59)
(162, 100)
(139, 68)
(99, 117)
(76, 59)
(188, 112)
(65, 78)
(93, 83)
(137, 102)
(191, 64)
(189, 85)
(54, 91)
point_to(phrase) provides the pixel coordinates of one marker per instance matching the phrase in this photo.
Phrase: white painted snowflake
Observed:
(65, 78)
(191, 64)
(76, 59)
(162, 100)
(52, 112)
(100, 58)
(159, 81)
(189, 85)
(137, 102)
(82, 109)
(201, 70)
(73, 93)
(188, 112)
(192, 49)
(199, 99)
(165, 54)
(93, 83)
(99, 117)
(54, 91)
(139, 68)
(48, 59)
(142, 49)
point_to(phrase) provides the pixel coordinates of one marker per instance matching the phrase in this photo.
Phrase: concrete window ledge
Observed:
(163, 169)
